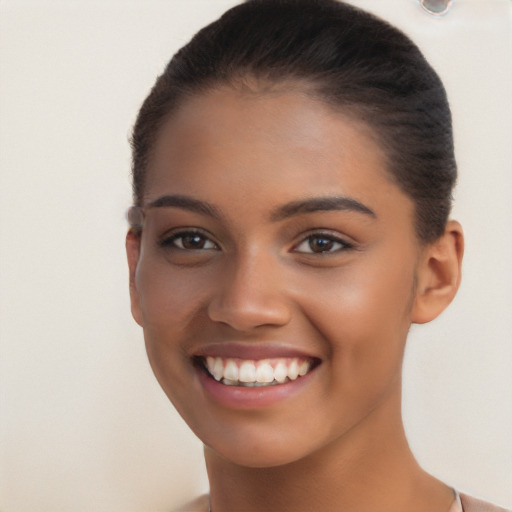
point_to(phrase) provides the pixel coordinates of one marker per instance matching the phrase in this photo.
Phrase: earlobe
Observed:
(133, 253)
(439, 274)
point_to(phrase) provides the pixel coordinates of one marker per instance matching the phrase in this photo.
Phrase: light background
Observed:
(83, 424)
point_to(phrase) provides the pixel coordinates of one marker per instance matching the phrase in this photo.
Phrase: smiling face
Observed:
(275, 276)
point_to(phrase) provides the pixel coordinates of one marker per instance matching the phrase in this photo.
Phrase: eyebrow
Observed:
(187, 203)
(315, 204)
(319, 204)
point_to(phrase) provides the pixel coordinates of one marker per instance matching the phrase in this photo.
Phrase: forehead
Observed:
(242, 144)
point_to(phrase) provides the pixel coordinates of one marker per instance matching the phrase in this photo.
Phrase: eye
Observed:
(322, 244)
(189, 241)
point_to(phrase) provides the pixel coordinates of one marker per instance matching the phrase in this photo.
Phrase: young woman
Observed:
(293, 170)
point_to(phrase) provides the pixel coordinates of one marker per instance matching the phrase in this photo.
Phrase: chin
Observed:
(256, 457)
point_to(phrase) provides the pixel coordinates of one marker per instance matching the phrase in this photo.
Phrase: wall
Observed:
(83, 423)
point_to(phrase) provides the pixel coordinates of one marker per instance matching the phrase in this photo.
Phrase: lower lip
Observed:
(242, 397)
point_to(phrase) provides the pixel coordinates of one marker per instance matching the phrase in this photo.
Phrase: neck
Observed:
(369, 468)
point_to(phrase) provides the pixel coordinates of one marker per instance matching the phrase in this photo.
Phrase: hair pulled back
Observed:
(341, 55)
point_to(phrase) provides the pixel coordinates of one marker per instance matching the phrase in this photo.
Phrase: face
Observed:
(275, 276)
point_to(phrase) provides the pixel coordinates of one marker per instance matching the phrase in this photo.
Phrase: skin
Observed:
(340, 285)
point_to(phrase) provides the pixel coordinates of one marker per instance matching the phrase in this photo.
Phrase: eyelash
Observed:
(333, 243)
(172, 241)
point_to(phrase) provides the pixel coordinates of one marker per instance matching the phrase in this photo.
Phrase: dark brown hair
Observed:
(343, 56)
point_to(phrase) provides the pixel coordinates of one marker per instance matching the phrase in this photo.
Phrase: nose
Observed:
(251, 295)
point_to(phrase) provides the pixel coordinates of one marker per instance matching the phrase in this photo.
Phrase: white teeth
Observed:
(218, 369)
(247, 372)
(304, 368)
(231, 370)
(264, 373)
(210, 363)
(281, 372)
(234, 372)
(293, 370)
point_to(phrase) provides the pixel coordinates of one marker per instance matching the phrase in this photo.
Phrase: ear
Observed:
(438, 274)
(133, 254)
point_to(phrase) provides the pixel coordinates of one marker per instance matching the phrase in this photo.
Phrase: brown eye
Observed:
(189, 241)
(321, 244)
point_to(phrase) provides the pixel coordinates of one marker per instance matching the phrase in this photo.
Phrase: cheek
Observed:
(362, 314)
(170, 304)
(169, 298)
(361, 297)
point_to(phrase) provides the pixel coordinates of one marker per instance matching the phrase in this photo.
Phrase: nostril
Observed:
(250, 293)
(247, 313)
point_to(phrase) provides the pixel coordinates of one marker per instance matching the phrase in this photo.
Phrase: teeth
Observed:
(218, 369)
(281, 372)
(210, 364)
(293, 370)
(235, 372)
(231, 371)
(264, 373)
(247, 372)
(304, 368)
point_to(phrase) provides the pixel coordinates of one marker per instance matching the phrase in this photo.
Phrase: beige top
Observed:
(456, 505)
(461, 503)
(470, 504)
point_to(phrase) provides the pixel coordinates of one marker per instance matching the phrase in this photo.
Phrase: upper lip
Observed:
(251, 351)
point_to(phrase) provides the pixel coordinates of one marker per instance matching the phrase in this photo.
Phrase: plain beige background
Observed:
(84, 426)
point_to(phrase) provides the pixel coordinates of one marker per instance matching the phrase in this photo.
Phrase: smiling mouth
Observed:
(256, 373)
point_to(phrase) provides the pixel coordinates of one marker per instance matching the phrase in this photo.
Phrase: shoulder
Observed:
(201, 504)
(470, 504)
